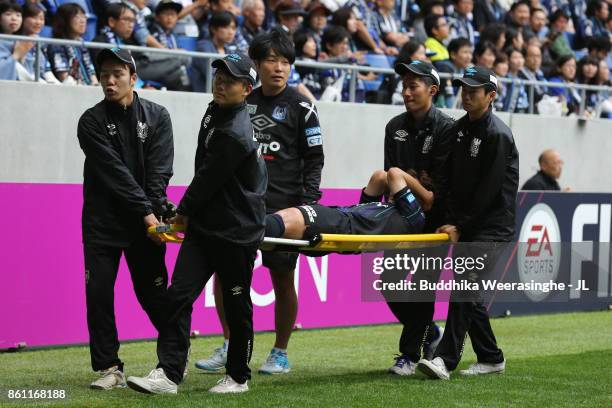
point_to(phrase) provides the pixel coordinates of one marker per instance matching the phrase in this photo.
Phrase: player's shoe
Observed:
(109, 379)
(215, 363)
(276, 363)
(484, 368)
(431, 343)
(435, 368)
(403, 366)
(154, 383)
(227, 385)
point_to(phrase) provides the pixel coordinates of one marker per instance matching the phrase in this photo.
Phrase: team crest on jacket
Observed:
(400, 135)
(142, 131)
(279, 113)
(111, 129)
(251, 109)
(427, 144)
(475, 147)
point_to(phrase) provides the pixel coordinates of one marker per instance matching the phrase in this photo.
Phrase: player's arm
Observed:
(158, 161)
(221, 160)
(311, 146)
(109, 167)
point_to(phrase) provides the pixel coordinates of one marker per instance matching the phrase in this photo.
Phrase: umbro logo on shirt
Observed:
(400, 135)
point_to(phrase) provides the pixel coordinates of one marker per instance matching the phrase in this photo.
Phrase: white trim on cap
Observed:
(493, 79)
(253, 74)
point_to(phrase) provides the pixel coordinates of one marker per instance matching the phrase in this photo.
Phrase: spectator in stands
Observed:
(594, 24)
(141, 31)
(306, 50)
(11, 52)
(459, 21)
(605, 97)
(418, 26)
(518, 16)
(514, 39)
(496, 34)
(538, 23)
(217, 6)
(484, 54)
(316, 21)
(532, 71)
(368, 35)
(289, 14)
(361, 39)
(517, 100)
(335, 43)
(119, 28)
(556, 39)
(546, 178)
(33, 22)
(71, 64)
(437, 31)
(487, 12)
(501, 71)
(390, 91)
(565, 74)
(187, 19)
(222, 26)
(599, 47)
(254, 13)
(166, 17)
(587, 73)
(460, 52)
(390, 27)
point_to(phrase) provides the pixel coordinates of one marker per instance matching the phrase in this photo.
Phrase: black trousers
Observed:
(196, 263)
(468, 315)
(146, 262)
(414, 310)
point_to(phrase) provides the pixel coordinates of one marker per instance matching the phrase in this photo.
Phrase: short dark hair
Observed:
(599, 43)
(537, 10)
(341, 16)
(276, 40)
(221, 19)
(10, 6)
(483, 46)
(458, 43)
(431, 22)
(299, 40)
(561, 60)
(593, 6)
(557, 14)
(333, 35)
(429, 5)
(515, 5)
(407, 50)
(61, 21)
(115, 10)
(492, 32)
(500, 58)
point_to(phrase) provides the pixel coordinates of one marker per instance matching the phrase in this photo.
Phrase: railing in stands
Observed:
(317, 65)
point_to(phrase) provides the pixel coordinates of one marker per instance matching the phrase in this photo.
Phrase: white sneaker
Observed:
(435, 368)
(154, 383)
(109, 379)
(216, 362)
(403, 366)
(484, 368)
(276, 363)
(227, 385)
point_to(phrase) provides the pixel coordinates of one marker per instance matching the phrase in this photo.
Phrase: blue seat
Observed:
(92, 24)
(372, 85)
(46, 32)
(83, 3)
(185, 42)
(377, 60)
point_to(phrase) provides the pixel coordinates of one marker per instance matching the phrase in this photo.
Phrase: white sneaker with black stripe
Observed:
(435, 368)
(154, 383)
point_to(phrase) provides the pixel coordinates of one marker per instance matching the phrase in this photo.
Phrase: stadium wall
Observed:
(42, 273)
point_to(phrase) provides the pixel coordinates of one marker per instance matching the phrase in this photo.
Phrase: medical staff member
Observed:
(129, 150)
(224, 210)
(483, 181)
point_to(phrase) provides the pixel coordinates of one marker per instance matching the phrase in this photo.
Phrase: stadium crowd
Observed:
(560, 41)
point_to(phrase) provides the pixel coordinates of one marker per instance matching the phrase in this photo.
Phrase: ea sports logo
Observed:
(539, 251)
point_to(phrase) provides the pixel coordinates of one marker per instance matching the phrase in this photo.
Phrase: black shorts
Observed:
(279, 261)
(325, 219)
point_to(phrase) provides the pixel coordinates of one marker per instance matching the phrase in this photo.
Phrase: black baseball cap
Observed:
(419, 68)
(237, 65)
(168, 4)
(120, 54)
(476, 77)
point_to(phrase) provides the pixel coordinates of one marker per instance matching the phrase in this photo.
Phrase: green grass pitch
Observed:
(562, 360)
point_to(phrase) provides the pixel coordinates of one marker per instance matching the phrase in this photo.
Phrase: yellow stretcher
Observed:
(340, 243)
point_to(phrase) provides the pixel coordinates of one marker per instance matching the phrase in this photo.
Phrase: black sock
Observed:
(368, 198)
(275, 227)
